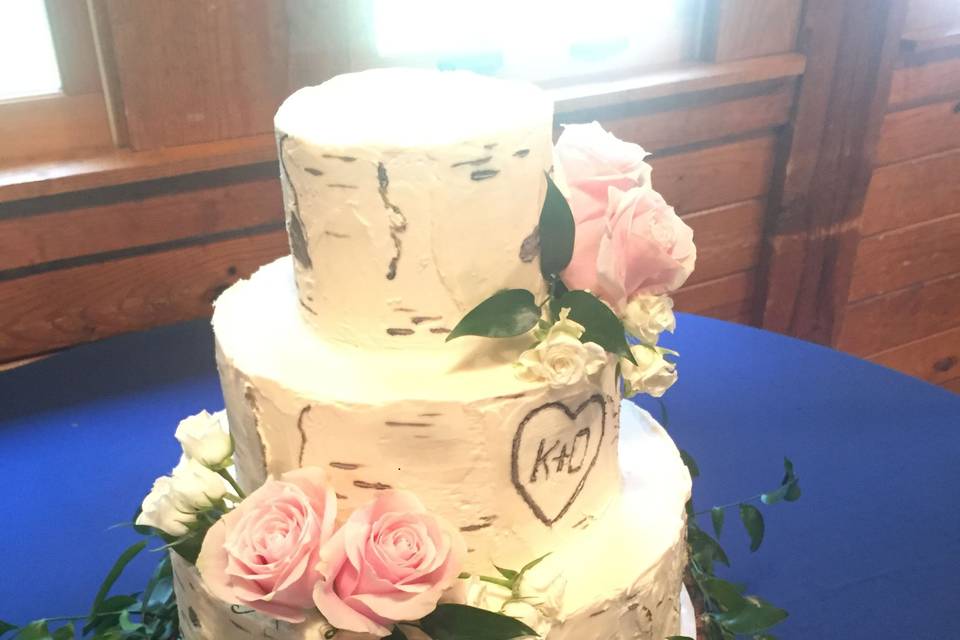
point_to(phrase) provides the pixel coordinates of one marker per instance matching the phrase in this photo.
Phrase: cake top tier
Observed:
(409, 108)
(411, 196)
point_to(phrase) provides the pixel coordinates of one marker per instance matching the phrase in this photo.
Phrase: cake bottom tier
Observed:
(622, 581)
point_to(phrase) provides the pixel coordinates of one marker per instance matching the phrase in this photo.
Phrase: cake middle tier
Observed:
(520, 468)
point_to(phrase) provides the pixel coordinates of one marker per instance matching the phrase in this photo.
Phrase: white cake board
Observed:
(688, 617)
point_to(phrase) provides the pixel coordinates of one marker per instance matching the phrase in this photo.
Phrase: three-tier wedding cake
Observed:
(412, 197)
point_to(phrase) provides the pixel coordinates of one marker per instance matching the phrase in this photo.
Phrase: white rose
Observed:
(561, 359)
(195, 486)
(162, 509)
(499, 599)
(206, 438)
(652, 374)
(647, 316)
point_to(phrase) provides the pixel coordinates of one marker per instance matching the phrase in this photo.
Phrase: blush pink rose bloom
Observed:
(628, 239)
(264, 554)
(390, 561)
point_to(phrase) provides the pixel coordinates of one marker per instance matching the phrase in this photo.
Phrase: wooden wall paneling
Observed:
(728, 239)
(713, 176)
(896, 259)
(53, 126)
(920, 83)
(893, 319)
(106, 52)
(823, 174)
(69, 306)
(934, 358)
(73, 43)
(912, 192)
(672, 122)
(928, 14)
(198, 71)
(738, 29)
(719, 293)
(952, 385)
(121, 218)
(324, 40)
(920, 131)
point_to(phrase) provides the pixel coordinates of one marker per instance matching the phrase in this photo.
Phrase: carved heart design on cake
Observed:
(554, 450)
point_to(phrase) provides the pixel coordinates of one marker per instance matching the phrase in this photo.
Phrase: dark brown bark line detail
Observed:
(193, 617)
(405, 310)
(511, 396)
(439, 330)
(429, 415)
(597, 613)
(491, 145)
(488, 518)
(582, 521)
(521, 153)
(483, 174)
(346, 466)
(633, 607)
(240, 611)
(340, 185)
(422, 319)
(399, 331)
(421, 436)
(475, 527)
(334, 234)
(470, 550)
(472, 163)
(402, 423)
(379, 486)
(312, 171)
(340, 496)
(252, 403)
(238, 625)
(298, 236)
(530, 247)
(398, 221)
(306, 306)
(303, 434)
(342, 158)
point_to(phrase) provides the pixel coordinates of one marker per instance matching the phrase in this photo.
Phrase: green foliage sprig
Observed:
(513, 312)
(728, 613)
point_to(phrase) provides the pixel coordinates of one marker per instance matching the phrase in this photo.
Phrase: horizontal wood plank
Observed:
(884, 322)
(934, 358)
(728, 239)
(122, 166)
(912, 192)
(686, 78)
(697, 123)
(53, 125)
(715, 176)
(944, 37)
(897, 259)
(952, 385)
(81, 304)
(721, 292)
(185, 211)
(920, 131)
(751, 28)
(920, 83)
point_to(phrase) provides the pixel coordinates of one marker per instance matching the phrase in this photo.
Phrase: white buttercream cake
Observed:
(410, 197)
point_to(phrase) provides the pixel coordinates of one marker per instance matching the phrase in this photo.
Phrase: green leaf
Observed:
(533, 563)
(36, 630)
(462, 622)
(757, 616)
(664, 415)
(716, 518)
(129, 554)
(789, 489)
(765, 636)
(127, 624)
(690, 463)
(680, 638)
(753, 522)
(724, 593)
(704, 549)
(505, 314)
(397, 634)
(509, 574)
(557, 232)
(601, 324)
(66, 632)
(6, 627)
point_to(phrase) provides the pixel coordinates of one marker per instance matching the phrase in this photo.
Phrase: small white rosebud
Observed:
(527, 614)
(486, 595)
(647, 316)
(195, 486)
(206, 438)
(652, 374)
(162, 510)
(561, 359)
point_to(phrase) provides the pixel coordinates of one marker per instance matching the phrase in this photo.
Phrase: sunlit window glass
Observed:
(29, 66)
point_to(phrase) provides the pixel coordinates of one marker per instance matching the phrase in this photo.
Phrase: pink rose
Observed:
(390, 561)
(628, 239)
(264, 554)
(590, 160)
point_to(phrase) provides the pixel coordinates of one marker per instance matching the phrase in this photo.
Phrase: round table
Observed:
(872, 550)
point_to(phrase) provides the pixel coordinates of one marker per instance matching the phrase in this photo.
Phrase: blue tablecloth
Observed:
(872, 550)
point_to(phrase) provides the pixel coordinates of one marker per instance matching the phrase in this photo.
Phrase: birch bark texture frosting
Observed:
(410, 196)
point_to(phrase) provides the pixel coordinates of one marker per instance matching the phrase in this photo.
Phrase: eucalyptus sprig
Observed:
(728, 613)
(513, 312)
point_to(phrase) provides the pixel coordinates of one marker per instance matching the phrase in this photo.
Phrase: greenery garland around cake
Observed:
(611, 252)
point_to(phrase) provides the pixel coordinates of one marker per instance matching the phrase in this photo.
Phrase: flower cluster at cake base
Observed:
(611, 252)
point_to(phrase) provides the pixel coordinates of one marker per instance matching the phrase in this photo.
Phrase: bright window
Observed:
(28, 65)
(538, 39)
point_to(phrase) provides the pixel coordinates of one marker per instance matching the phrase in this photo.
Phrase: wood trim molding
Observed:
(825, 165)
